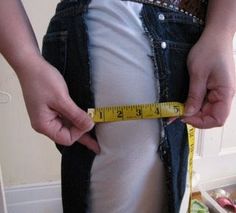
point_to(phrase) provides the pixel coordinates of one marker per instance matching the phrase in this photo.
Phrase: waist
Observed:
(194, 8)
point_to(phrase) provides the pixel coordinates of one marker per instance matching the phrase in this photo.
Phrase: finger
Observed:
(66, 135)
(90, 143)
(200, 122)
(51, 125)
(196, 95)
(212, 114)
(204, 122)
(75, 115)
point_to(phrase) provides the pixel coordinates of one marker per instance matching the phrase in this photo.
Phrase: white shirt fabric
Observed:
(128, 176)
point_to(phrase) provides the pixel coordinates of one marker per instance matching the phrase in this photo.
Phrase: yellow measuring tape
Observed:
(135, 112)
(146, 111)
(191, 142)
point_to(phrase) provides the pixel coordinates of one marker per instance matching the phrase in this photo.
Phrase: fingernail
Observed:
(190, 111)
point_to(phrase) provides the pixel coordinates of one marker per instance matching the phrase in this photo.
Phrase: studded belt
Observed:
(194, 8)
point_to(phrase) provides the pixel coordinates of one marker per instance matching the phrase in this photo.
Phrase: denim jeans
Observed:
(65, 46)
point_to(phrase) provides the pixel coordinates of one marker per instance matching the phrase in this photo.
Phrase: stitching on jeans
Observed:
(169, 6)
(163, 148)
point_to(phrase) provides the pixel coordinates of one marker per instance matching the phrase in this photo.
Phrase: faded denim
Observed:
(65, 46)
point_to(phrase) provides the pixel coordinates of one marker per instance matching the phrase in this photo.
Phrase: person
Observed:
(115, 53)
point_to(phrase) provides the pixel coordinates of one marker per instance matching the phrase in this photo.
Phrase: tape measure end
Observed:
(91, 112)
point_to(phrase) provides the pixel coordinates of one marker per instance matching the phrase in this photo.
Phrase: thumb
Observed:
(81, 123)
(196, 95)
(79, 118)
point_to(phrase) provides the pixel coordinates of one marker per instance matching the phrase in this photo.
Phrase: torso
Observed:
(128, 175)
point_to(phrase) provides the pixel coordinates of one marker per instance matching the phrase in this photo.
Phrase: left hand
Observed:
(212, 80)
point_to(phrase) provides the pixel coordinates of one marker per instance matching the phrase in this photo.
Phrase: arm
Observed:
(51, 113)
(211, 68)
(17, 39)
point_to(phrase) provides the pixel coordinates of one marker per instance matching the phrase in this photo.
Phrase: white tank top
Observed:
(128, 176)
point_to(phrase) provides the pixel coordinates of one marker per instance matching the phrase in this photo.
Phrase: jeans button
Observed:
(163, 45)
(161, 17)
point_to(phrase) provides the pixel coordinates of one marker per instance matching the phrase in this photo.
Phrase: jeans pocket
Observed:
(54, 50)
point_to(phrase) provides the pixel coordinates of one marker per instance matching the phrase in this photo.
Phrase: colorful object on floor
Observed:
(219, 193)
(198, 207)
(222, 197)
(226, 203)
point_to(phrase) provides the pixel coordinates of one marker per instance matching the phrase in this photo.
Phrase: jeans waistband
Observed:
(194, 8)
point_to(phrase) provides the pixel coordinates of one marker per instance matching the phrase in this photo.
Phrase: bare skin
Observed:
(53, 113)
(212, 69)
(51, 110)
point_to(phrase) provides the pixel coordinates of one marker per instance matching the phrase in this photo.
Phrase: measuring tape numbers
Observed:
(147, 111)
(136, 112)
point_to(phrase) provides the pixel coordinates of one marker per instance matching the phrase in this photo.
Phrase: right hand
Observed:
(51, 110)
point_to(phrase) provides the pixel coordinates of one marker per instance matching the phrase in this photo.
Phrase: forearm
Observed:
(17, 40)
(221, 18)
